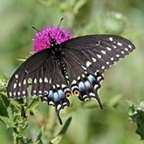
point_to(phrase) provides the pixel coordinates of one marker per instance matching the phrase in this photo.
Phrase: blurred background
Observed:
(123, 83)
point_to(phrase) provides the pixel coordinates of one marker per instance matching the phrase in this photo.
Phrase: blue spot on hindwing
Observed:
(91, 79)
(50, 94)
(81, 86)
(60, 93)
(87, 84)
(56, 96)
(82, 89)
(73, 87)
(66, 89)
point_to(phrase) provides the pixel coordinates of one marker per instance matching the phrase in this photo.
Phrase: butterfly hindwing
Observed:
(92, 55)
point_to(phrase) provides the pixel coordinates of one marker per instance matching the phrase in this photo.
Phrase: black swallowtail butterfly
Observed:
(72, 66)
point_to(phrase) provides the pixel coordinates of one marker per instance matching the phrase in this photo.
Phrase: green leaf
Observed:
(79, 4)
(137, 115)
(34, 103)
(3, 81)
(114, 23)
(38, 140)
(65, 127)
(7, 121)
(4, 99)
(59, 137)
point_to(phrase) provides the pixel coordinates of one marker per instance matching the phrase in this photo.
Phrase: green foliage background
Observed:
(123, 85)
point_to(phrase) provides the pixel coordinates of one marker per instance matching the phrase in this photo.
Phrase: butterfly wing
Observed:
(43, 74)
(100, 51)
(87, 57)
(18, 83)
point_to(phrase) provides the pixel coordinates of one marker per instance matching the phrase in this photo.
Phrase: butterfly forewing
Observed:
(97, 52)
(40, 71)
(18, 83)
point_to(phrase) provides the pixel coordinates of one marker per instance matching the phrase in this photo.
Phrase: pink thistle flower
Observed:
(42, 38)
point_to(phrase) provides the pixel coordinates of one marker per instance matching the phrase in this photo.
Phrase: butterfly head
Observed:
(49, 36)
(53, 42)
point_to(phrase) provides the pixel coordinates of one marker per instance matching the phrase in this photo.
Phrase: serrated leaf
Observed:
(7, 121)
(137, 116)
(139, 119)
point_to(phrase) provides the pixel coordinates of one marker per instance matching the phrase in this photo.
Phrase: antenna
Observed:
(35, 29)
(58, 26)
(60, 22)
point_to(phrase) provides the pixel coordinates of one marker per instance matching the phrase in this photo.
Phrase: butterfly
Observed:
(63, 66)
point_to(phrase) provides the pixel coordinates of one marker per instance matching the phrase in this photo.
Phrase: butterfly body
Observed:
(74, 66)
(59, 56)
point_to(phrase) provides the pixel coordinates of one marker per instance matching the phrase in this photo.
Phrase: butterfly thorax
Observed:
(59, 57)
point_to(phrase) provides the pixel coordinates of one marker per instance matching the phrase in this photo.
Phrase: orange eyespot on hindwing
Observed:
(76, 92)
(75, 89)
(68, 94)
